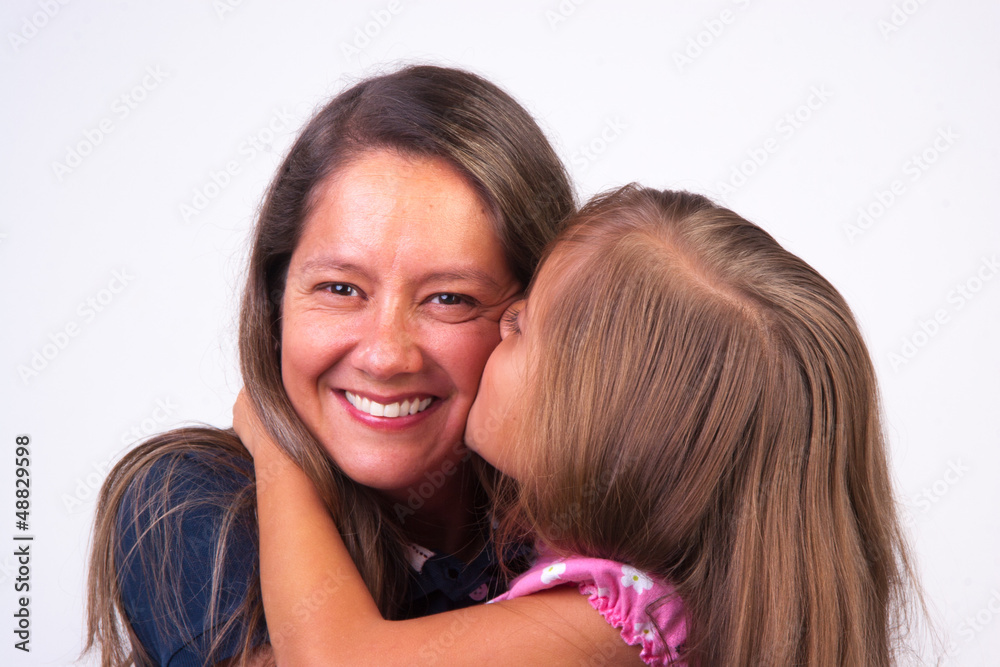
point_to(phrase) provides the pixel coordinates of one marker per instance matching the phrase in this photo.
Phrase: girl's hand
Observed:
(248, 427)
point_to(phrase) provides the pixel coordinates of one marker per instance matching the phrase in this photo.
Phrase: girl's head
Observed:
(696, 401)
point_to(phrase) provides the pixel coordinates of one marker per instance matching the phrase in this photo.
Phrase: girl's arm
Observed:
(319, 611)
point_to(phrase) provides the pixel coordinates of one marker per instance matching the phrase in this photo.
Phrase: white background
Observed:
(609, 83)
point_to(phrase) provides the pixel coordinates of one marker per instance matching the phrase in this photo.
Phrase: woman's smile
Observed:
(388, 408)
(389, 414)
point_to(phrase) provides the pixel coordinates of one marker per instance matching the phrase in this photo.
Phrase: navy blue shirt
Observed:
(174, 629)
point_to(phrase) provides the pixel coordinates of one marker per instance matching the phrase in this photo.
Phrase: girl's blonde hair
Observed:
(708, 412)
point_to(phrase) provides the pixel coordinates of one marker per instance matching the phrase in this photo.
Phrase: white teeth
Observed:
(408, 407)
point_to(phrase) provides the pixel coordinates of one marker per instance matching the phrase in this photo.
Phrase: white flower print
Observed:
(633, 577)
(646, 631)
(552, 572)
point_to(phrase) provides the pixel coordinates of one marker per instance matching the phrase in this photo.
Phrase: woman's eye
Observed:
(342, 289)
(450, 299)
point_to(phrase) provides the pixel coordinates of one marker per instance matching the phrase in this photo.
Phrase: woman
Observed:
(411, 210)
(691, 417)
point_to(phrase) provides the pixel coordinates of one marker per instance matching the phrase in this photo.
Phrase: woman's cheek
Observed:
(463, 350)
(313, 342)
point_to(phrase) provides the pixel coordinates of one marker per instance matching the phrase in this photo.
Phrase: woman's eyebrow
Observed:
(470, 274)
(320, 264)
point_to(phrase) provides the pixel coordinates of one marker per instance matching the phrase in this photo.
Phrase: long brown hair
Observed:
(419, 111)
(710, 415)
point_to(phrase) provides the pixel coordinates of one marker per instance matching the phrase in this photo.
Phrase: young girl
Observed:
(690, 416)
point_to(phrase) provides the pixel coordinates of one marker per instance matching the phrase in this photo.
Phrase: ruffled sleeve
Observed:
(646, 610)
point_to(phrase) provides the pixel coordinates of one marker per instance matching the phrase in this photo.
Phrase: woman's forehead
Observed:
(387, 210)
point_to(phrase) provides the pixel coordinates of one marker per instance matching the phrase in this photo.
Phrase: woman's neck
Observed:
(446, 522)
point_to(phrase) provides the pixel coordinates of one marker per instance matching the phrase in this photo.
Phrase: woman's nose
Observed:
(387, 347)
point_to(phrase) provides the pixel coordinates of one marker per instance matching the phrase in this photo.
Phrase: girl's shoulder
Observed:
(646, 609)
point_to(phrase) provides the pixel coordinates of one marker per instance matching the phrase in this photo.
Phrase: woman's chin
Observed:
(395, 479)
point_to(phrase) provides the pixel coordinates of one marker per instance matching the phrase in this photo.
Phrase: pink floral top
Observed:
(622, 594)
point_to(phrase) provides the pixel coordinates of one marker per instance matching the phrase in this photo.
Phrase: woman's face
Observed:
(390, 311)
